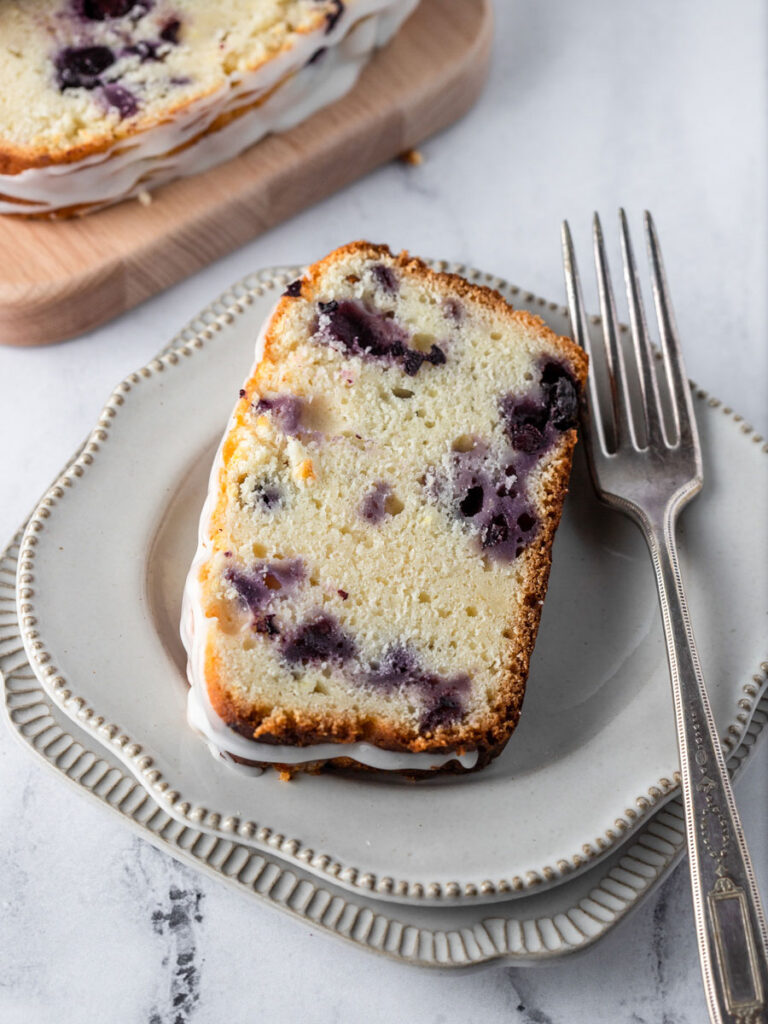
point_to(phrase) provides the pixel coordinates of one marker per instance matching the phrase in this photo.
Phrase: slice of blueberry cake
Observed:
(375, 546)
(104, 99)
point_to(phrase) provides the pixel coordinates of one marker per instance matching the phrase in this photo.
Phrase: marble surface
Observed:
(591, 104)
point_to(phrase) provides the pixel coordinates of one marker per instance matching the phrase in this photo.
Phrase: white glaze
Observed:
(223, 741)
(147, 159)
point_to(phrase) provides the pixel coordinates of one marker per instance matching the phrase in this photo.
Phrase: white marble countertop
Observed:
(591, 104)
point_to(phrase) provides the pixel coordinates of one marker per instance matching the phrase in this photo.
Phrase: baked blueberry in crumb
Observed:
(169, 33)
(285, 410)
(373, 507)
(258, 586)
(145, 50)
(443, 699)
(525, 422)
(562, 396)
(266, 624)
(453, 309)
(323, 639)
(103, 10)
(342, 594)
(294, 289)
(446, 709)
(472, 502)
(385, 277)
(267, 495)
(530, 420)
(487, 491)
(396, 668)
(121, 99)
(495, 532)
(79, 67)
(360, 331)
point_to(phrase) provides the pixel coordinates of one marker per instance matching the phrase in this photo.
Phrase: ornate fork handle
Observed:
(649, 479)
(730, 926)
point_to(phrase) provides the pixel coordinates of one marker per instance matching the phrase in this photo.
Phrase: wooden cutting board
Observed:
(60, 278)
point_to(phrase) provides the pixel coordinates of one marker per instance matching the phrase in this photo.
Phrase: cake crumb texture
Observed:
(383, 510)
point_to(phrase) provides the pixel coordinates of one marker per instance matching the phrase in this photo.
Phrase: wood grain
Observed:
(60, 278)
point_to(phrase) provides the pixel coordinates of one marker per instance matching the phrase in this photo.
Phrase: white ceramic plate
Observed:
(557, 922)
(99, 586)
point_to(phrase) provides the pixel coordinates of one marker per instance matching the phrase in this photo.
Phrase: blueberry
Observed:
(412, 362)
(320, 640)
(525, 422)
(122, 99)
(267, 495)
(354, 328)
(266, 624)
(397, 667)
(385, 277)
(258, 586)
(472, 502)
(250, 588)
(526, 522)
(453, 309)
(145, 50)
(446, 709)
(169, 33)
(80, 67)
(286, 411)
(294, 289)
(368, 333)
(102, 10)
(526, 437)
(373, 506)
(495, 532)
(562, 396)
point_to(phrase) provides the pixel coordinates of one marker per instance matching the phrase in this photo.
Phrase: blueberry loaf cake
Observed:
(105, 99)
(375, 546)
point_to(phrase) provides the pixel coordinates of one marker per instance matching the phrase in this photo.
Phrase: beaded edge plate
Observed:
(228, 814)
(535, 928)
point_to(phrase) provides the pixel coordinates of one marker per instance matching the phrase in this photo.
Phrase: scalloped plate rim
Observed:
(199, 330)
(212, 865)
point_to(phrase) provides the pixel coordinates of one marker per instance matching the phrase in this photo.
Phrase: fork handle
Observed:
(730, 924)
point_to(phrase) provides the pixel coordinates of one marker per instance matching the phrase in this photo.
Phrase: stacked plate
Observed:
(536, 856)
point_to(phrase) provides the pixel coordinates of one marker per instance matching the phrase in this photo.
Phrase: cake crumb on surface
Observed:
(412, 157)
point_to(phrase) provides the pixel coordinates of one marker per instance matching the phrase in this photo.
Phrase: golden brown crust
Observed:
(294, 728)
(78, 210)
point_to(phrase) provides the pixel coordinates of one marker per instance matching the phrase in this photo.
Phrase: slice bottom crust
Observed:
(375, 547)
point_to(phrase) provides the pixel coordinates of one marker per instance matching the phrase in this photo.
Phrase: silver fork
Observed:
(650, 474)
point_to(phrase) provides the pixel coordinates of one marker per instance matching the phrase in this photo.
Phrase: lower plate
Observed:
(528, 930)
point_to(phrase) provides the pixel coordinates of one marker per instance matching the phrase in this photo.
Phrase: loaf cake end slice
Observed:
(375, 547)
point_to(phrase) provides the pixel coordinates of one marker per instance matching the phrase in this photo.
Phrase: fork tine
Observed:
(580, 328)
(648, 383)
(622, 413)
(673, 356)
